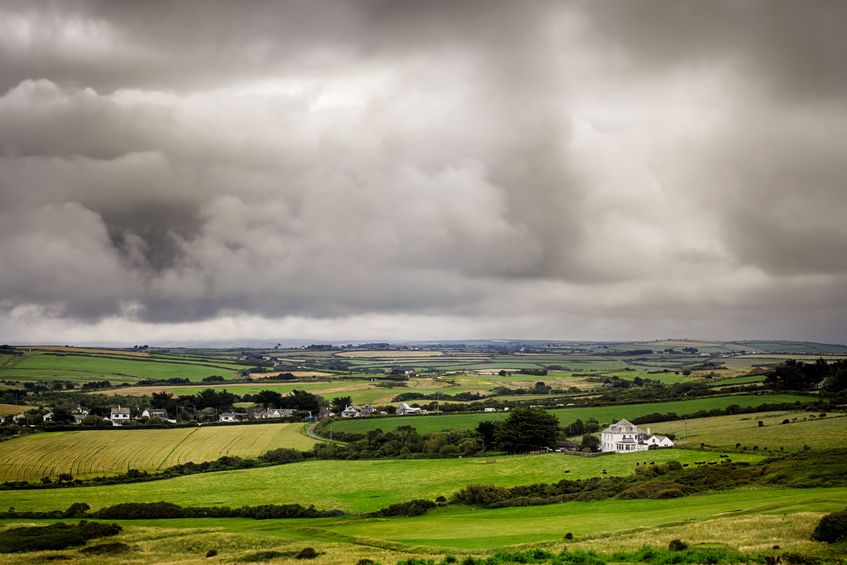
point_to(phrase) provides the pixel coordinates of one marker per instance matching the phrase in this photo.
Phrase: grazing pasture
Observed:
(88, 453)
(459, 527)
(78, 367)
(802, 429)
(354, 486)
(603, 414)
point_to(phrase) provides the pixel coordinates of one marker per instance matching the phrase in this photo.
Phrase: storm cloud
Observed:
(402, 170)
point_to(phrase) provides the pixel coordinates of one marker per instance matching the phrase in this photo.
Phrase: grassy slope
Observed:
(42, 366)
(468, 528)
(425, 424)
(356, 486)
(725, 431)
(105, 452)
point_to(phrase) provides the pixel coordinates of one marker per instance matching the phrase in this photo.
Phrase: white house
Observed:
(659, 441)
(350, 412)
(490, 409)
(405, 410)
(155, 414)
(278, 413)
(626, 437)
(229, 417)
(119, 415)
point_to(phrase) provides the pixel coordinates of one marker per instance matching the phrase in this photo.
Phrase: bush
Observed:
(677, 545)
(112, 548)
(260, 556)
(306, 553)
(831, 528)
(54, 536)
(411, 508)
(211, 553)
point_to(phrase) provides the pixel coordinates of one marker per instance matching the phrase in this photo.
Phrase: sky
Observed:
(374, 169)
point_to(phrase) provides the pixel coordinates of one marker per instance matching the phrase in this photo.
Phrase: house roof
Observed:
(621, 426)
(120, 410)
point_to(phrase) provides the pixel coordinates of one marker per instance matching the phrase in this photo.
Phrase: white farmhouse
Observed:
(119, 415)
(626, 437)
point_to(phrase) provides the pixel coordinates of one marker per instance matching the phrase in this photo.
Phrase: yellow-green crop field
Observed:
(91, 453)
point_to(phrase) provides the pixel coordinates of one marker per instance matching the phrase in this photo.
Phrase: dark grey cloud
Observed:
(585, 169)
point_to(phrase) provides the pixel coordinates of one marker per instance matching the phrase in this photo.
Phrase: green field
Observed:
(107, 452)
(604, 414)
(472, 529)
(78, 367)
(749, 520)
(355, 486)
(724, 432)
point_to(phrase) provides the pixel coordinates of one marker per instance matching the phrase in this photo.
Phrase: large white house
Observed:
(626, 437)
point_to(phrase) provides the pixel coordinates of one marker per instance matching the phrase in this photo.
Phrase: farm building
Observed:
(626, 437)
(231, 416)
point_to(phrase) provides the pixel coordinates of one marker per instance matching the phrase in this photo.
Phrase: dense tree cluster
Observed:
(526, 429)
(796, 375)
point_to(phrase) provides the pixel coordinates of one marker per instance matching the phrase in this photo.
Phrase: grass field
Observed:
(107, 452)
(603, 414)
(472, 529)
(725, 431)
(355, 486)
(77, 367)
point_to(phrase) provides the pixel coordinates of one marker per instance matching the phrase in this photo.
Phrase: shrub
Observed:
(677, 545)
(54, 536)
(211, 553)
(411, 508)
(306, 553)
(112, 548)
(76, 510)
(260, 556)
(831, 528)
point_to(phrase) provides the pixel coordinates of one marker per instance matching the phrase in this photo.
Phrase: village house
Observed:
(155, 414)
(120, 415)
(231, 416)
(406, 410)
(278, 413)
(626, 437)
(350, 412)
(367, 410)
